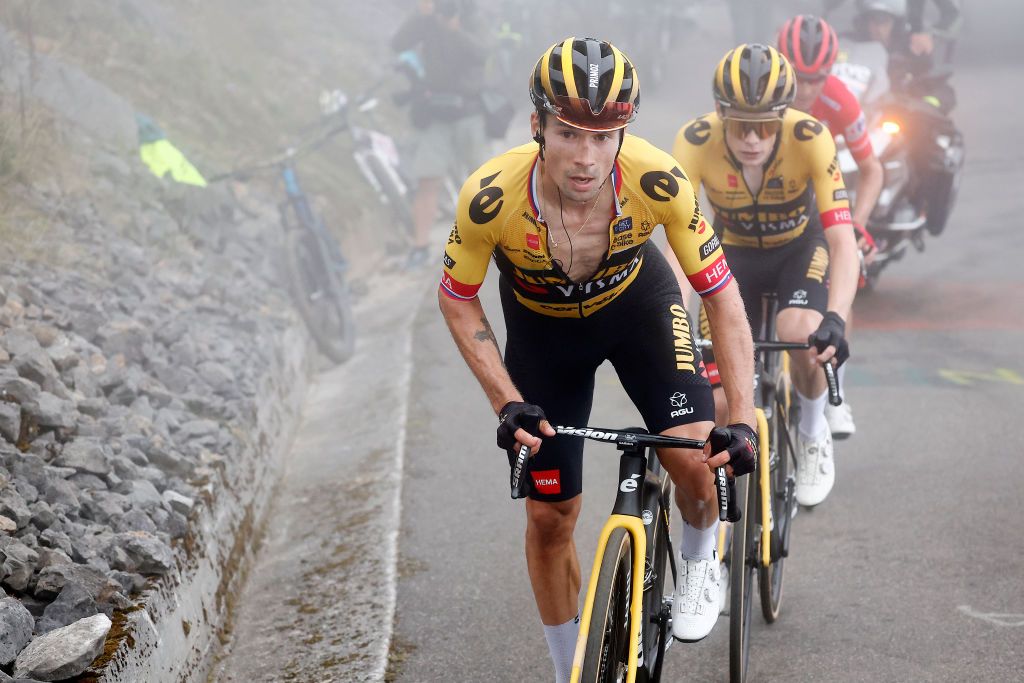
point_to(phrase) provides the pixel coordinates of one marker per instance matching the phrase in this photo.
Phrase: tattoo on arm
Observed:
(487, 335)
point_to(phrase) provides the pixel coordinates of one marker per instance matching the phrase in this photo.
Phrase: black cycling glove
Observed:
(518, 415)
(830, 333)
(741, 443)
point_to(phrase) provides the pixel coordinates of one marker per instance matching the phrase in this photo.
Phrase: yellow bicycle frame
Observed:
(635, 527)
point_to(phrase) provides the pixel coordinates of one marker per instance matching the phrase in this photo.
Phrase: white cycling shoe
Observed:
(698, 594)
(840, 420)
(815, 469)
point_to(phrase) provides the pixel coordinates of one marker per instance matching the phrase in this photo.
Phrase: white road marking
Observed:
(1011, 620)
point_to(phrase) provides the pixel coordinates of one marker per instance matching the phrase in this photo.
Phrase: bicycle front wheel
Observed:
(783, 506)
(606, 658)
(742, 571)
(321, 296)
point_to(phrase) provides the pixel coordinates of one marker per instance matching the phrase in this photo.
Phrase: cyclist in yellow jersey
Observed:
(567, 220)
(771, 176)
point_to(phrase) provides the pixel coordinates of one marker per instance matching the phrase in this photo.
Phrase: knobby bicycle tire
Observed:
(741, 581)
(607, 652)
(320, 295)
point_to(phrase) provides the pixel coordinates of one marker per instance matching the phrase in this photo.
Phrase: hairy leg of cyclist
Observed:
(815, 465)
(696, 606)
(555, 575)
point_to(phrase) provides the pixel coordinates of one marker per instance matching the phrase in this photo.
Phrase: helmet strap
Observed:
(538, 137)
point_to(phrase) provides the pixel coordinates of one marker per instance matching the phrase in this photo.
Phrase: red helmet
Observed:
(809, 43)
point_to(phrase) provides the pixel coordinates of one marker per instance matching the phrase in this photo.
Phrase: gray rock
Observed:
(85, 455)
(19, 341)
(131, 583)
(84, 381)
(51, 411)
(19, 561)
(36, 366)
(63, 357)
(18, 389)
(102, 588)
(169, 460)
(10, 421)
(125, 336)
(16, 625)
(73, 603)
(61, 492)
(146, 553)
(134, 520)
(43, 515)
(65, 652)
(88, 482)
(28, 492)
(13, 505)
(94, 407)
(177, 502)
(56, 539)
(144, 495)
(102, 506)
(49, 557)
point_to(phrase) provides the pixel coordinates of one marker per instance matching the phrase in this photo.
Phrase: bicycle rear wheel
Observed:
(783, 507)
(742, 571)
(321, 295)
(606, 658)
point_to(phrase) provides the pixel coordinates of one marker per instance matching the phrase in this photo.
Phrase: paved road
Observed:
(913, 568)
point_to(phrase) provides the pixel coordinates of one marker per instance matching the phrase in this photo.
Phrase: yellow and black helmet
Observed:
(586, 83)
(754, 81)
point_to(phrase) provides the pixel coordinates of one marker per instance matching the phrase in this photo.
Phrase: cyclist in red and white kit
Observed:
(811, 45)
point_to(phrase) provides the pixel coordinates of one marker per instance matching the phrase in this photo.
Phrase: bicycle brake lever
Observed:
(833, 384)
(518, 482)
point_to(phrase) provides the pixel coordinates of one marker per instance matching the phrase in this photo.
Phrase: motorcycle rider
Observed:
(934, 140)
(811, 45)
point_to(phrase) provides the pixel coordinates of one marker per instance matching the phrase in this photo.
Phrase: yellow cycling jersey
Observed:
(499, 217)
(803, 164)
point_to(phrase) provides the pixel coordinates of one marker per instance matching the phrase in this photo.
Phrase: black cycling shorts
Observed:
(797, 272)
(645, 335)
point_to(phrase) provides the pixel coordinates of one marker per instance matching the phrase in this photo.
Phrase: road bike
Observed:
(627, 614)
(759, 544)
(314, 264)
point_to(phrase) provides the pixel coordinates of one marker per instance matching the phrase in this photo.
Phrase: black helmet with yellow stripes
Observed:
(754, 81)
(586, 83)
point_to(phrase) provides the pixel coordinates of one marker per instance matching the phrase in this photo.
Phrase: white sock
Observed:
(812, 415)
(699, 544)
(562, 644)
(840, 374)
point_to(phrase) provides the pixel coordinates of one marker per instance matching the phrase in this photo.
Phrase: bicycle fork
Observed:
(626, 514)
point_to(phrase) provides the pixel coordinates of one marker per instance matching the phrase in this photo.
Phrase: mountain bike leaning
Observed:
(626, 621)
(314, 264)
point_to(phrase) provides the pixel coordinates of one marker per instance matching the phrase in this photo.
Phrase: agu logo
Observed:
(679, 400)
(547, 481)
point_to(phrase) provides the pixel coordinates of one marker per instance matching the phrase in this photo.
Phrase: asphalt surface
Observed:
(911, 570)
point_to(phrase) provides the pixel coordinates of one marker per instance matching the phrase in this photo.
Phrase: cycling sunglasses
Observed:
(762, 129)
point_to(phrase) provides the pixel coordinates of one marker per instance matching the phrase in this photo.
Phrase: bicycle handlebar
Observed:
(726, 486)
(774, 346)
(290, 153)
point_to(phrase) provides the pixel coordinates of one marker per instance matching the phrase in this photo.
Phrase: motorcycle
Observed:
(921, 150)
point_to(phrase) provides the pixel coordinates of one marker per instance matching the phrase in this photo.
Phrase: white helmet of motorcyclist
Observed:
(896, 8)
